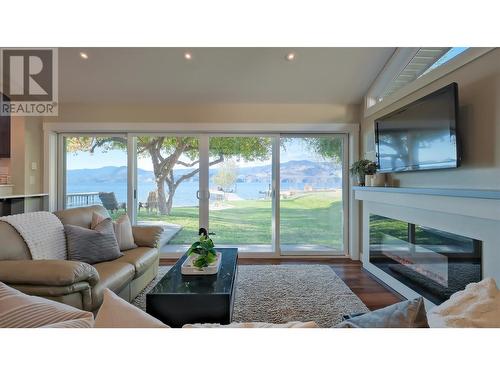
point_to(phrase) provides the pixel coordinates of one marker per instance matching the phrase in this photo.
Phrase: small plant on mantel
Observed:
(205, 250)
(361, 168)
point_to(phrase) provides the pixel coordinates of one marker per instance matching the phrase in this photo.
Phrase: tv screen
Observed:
(421, 135)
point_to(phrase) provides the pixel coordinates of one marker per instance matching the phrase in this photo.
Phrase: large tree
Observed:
(166, 153)
(227, 175)
(330, 148)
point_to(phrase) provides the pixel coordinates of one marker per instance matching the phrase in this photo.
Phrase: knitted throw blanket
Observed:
(43, 233)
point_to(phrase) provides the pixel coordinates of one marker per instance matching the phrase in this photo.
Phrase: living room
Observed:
(186, 183)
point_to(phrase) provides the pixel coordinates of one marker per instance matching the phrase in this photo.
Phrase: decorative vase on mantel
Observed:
(361, 179)
(378, 180)
(362, 169)
(368, 179)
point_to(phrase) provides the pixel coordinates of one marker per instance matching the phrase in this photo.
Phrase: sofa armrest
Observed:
(147, 235)
(47, 272)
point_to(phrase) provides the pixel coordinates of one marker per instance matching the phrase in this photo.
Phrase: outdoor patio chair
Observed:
(152, 202)
(109, 201)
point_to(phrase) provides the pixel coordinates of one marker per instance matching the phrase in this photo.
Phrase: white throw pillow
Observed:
(123, 233)
(254, 325)
(118, 313)
(122, 228)
(477, 306)
(19, 310)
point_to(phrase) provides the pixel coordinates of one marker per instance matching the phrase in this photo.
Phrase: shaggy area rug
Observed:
(283, 293)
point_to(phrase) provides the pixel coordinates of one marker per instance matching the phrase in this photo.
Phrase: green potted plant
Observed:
(205, 250)
(362, 168)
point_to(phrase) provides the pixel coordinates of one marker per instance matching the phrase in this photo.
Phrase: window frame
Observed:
(54, 176)
(396, 64)
(62, 164)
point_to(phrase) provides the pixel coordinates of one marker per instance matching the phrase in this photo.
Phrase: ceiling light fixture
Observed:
(188, 56)
(84, 56)
(290, 56)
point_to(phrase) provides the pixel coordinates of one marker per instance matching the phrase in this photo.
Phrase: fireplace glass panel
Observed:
(433, 263)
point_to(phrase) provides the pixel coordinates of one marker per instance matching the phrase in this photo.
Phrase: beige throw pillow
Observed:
(19, 310)
(123, 232)
(118, 313)
(478, 306)
(96, 219)
(122, 228)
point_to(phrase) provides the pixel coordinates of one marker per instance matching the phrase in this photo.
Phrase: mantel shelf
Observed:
(462, 193)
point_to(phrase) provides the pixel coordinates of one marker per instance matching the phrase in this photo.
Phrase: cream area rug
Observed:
(283, 293)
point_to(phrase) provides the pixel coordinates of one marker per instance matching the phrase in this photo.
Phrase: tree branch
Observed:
(102, 141)
(188, 164)
(217, 161)
(193, 173)
(169, 162)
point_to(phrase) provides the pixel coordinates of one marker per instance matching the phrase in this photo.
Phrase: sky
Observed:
(295, 150)
(451, 54)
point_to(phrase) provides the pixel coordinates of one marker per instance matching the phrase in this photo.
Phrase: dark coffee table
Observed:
(178, 299)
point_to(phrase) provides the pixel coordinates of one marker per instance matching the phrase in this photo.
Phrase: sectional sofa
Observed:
(75, 283)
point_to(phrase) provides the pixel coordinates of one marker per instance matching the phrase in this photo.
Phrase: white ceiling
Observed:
(218, 75)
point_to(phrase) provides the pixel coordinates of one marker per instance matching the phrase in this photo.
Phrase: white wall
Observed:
(479, 127)
(26, 148)
(232, 113)
(27, 132)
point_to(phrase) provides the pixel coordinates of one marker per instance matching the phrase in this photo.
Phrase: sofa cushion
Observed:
(80, 216)
(92, 245)
(147, 235)
(406, 314)
(114, 275)
(117, 313)
(141, 258)
(18, 310)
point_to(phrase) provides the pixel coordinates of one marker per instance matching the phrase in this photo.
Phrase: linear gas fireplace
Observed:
(433, 263)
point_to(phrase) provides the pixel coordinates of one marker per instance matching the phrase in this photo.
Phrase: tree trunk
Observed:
(170, 200)
(171, 191)
(162, 198)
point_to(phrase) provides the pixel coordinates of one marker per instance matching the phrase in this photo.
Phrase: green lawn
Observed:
(308, 218)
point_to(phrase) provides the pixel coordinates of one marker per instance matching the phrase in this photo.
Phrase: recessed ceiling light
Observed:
(84, 56)
(290, 56)
(188, 56)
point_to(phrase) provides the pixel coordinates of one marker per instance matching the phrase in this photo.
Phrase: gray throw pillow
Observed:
(406, 314)
(92, 246)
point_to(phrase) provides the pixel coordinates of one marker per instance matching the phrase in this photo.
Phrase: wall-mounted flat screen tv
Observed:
(421, 135)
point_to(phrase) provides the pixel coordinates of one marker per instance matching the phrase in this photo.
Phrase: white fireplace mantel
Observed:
(476, 203)
(470, 213)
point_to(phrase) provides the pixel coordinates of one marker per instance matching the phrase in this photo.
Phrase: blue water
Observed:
(185, 194)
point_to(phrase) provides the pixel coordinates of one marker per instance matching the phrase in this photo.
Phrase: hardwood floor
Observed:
(371, 291)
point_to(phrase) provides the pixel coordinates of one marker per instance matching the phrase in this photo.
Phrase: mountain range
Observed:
(292, 171)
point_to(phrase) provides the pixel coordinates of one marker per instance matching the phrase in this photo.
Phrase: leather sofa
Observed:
(75, 283)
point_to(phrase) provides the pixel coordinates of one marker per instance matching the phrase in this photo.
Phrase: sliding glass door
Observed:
(311, 199)
(267, 194)
(168, 184)
(240, 185)
(95, 172)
